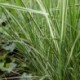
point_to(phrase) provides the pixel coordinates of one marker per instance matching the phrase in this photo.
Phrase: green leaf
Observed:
(10, 47)
(10, 67)
(26, 77)
(1, 65)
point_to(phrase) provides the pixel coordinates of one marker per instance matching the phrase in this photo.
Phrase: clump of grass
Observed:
(48, 35)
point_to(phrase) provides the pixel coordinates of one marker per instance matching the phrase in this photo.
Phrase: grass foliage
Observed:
(47, 32)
